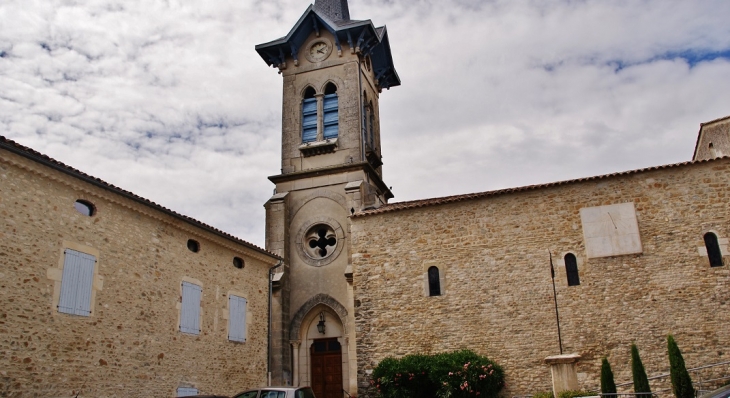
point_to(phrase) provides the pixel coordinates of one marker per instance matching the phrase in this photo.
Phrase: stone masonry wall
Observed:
(130, 346)
(498, 298)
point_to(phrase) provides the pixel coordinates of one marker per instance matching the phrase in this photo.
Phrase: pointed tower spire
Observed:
(336, 10)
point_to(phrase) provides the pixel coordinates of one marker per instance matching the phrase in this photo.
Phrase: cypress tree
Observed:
(641, 382)
(608, 386)
(681, 382)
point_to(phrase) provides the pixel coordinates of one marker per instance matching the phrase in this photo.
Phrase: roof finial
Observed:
(336, 10)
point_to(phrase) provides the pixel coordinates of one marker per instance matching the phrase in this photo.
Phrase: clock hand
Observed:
(321, 51)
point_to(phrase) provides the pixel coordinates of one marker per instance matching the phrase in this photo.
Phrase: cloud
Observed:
(168, 99)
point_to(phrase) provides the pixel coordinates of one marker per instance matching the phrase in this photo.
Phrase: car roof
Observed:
(718, 392)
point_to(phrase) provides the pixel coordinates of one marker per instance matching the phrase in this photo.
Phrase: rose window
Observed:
(321, 241)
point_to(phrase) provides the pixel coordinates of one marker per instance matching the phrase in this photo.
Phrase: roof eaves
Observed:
(48, 161)
(458, 198)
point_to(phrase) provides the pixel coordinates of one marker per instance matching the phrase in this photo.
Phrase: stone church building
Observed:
(637, 254)
(108, 294)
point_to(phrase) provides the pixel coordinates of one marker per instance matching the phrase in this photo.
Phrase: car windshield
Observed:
(273, 394)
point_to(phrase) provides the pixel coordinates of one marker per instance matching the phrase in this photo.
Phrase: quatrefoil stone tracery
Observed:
(321, 241)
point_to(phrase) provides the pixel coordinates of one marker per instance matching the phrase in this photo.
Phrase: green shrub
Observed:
(681, 382)
(641, 382)
(608, 385)
(453, 375)
(543, 394)
(575, 393)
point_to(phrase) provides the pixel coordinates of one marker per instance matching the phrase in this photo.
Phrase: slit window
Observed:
(84, 207)
(571, 269)
(434, 282)
(713, 250)
(309, 116)
(331, 113)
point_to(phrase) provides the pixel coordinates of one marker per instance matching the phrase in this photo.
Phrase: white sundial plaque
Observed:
(610, 230)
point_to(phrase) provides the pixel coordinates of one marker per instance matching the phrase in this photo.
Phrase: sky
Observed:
(169, 100)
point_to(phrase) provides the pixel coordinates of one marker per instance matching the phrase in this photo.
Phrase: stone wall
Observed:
(130, 345)
(498, 298)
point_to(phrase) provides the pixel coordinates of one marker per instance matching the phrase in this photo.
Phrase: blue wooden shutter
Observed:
(236, 318)
(331, 116)
(190, 309)
(76, 283)
(309, 120)
(186, 391)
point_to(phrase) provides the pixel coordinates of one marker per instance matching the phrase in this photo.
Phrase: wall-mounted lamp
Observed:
(320, 325)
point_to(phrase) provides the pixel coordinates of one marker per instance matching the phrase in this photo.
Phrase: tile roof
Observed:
(390, 207)
(46, 160)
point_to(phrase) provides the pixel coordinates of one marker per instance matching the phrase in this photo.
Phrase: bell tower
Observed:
(334, 70)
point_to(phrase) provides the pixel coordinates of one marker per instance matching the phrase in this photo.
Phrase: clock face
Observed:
(319, 51)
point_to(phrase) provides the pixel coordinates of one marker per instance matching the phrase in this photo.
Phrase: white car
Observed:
(277, 392)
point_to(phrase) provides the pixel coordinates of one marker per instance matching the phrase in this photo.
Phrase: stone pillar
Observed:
(563, 371)
(320, 116)
(295, 349)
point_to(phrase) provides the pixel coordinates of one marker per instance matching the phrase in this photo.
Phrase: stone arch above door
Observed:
(323, 299)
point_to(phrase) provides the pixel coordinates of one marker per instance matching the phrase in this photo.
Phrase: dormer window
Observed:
(309, 116)
(331, 112)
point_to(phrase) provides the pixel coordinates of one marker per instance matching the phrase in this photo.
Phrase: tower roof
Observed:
(336, 10)
(333, 15)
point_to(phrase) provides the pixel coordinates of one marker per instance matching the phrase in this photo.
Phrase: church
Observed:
(109, 294)
(637, 255)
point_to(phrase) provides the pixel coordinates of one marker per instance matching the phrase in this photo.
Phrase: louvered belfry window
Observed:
(190, 308)
(309, 116)
(76, 283)
(237, 318)
(571, 269)
(331, 113)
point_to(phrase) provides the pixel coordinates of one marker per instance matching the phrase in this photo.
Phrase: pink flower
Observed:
(451, 373)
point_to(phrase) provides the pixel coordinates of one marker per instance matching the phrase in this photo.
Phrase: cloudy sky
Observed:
(168, 99)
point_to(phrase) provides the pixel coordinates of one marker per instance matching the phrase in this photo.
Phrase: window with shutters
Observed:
(331, 112)
(309, 116)
(186, 391)
(571, 269)
(714, 254)
(190, 308)
(76, 283)
(236, 318)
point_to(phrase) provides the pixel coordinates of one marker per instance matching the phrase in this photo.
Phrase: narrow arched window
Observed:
(331, 114)
(434, 283)
(371, 125)
(309, 116)
(713, 250)
(571, 268)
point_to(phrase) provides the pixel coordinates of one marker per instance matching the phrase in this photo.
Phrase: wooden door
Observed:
(326, 365)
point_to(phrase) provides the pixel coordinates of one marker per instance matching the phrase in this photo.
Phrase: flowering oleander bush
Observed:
(448, 375)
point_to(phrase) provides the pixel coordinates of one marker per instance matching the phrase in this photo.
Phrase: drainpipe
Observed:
(268, 343)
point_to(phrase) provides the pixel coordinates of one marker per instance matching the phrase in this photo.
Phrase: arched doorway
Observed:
(321, 353)
(325, 358)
